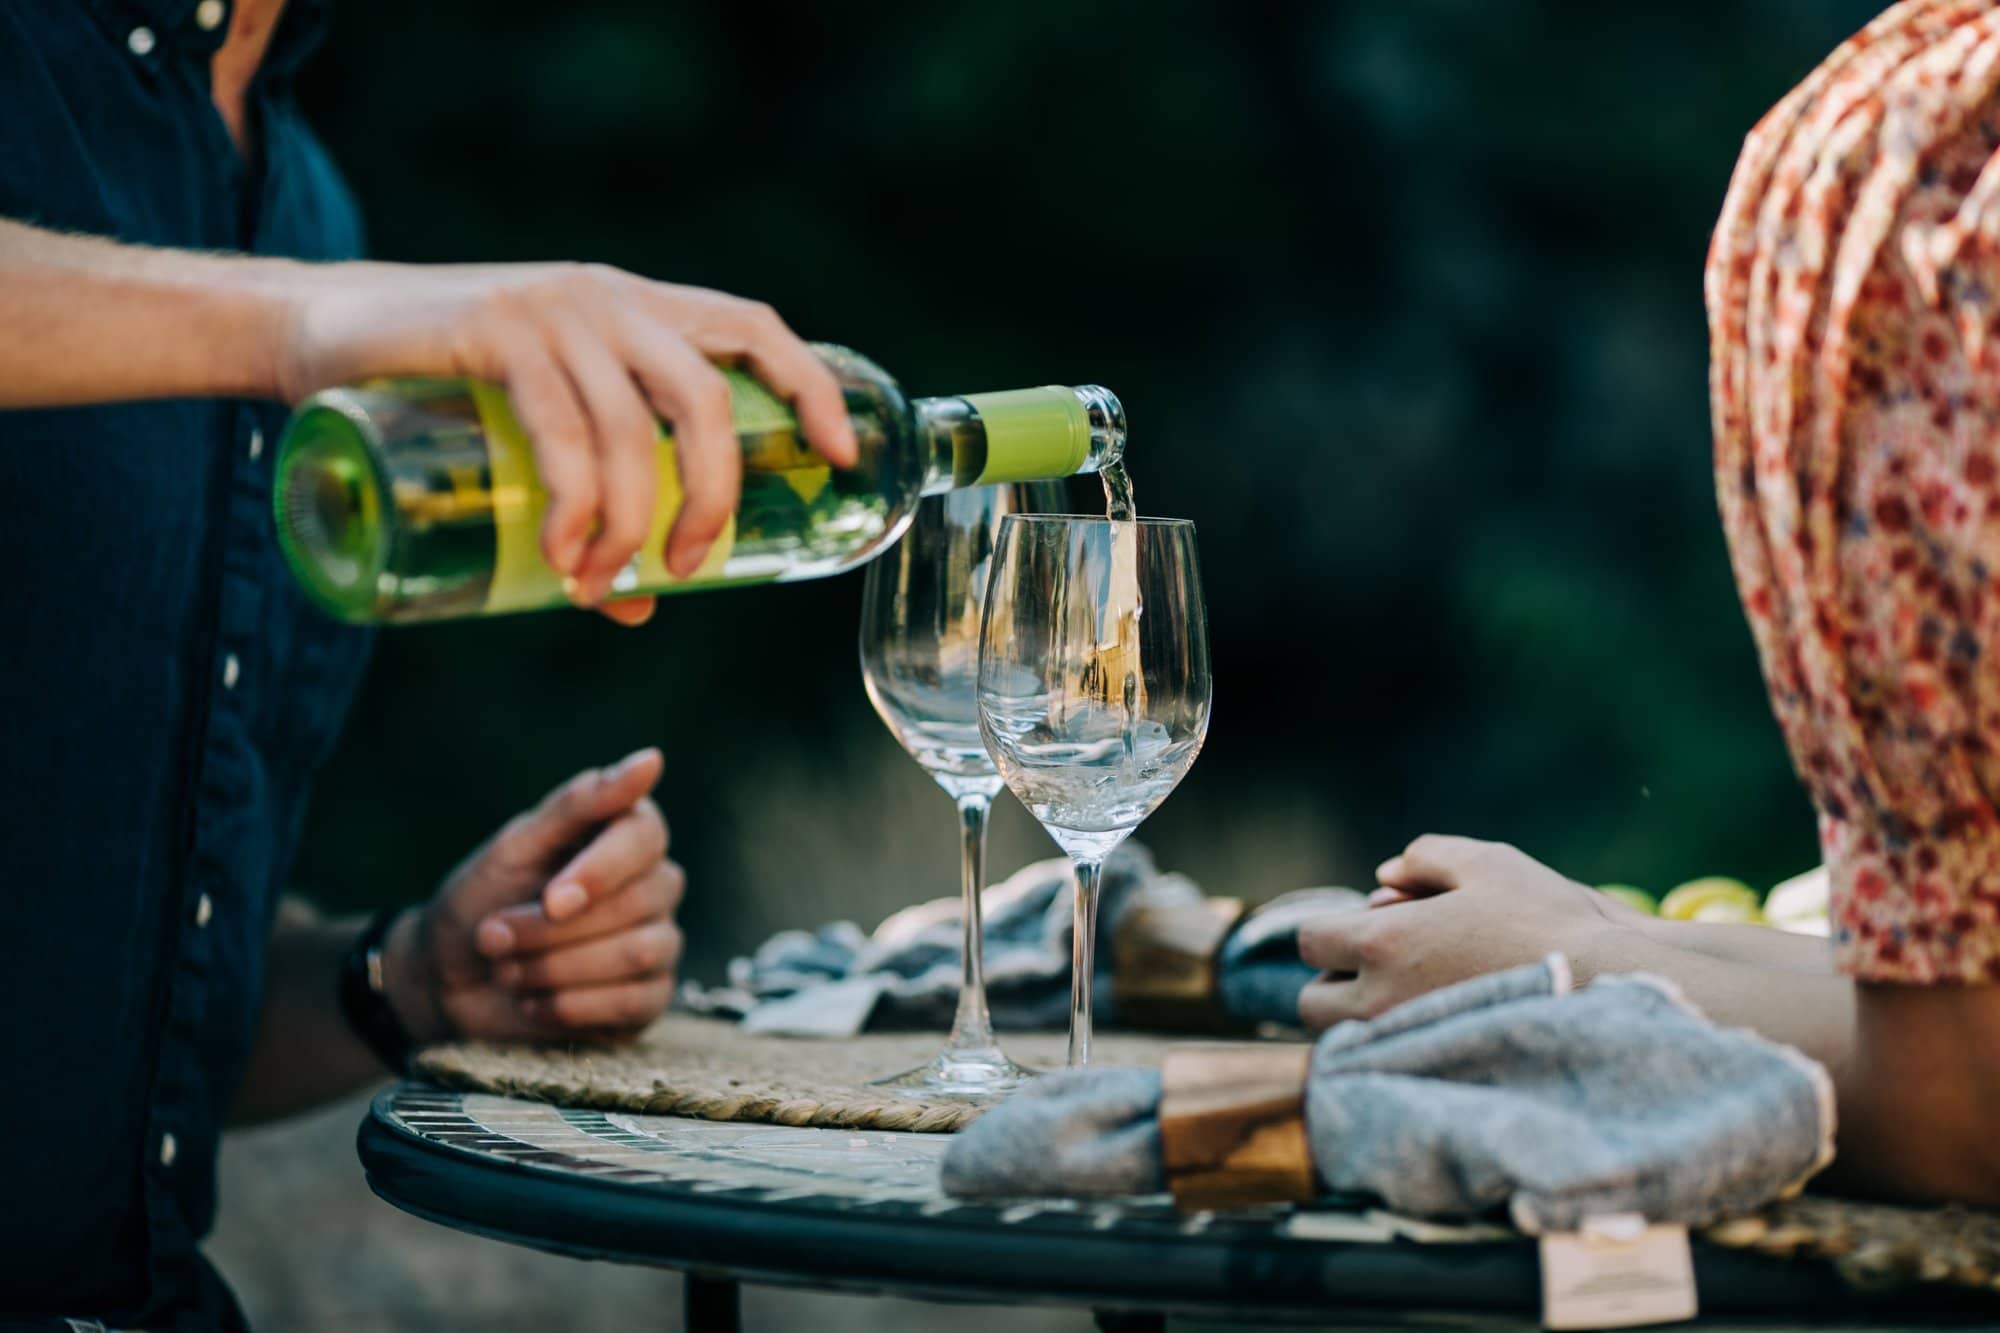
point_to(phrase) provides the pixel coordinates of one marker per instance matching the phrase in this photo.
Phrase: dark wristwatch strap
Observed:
(363, 1000)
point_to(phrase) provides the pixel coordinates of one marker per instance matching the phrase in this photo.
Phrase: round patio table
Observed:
(860, 1211)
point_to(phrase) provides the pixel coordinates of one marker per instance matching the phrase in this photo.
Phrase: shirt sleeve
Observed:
(1857, 402)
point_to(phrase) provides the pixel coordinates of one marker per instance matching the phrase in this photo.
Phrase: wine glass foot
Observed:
(974, 1075)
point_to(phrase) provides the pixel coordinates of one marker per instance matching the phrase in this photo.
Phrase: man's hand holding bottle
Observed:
(591, 357)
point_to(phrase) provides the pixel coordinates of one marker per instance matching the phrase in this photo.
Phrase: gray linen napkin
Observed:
(839, 979)
(1506, 1090)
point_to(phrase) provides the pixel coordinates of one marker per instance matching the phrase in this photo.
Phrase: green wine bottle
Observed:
(417, 499)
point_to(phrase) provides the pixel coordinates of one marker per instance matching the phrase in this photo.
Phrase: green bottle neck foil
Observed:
(1019, 435)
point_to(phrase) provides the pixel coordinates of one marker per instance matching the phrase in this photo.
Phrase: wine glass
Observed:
(920, 662)
(1093, 690)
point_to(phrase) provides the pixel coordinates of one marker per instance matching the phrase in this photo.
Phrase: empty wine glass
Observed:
(920, 662)
(1093, 689)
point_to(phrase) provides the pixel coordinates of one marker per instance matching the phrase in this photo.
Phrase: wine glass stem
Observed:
(972, 1028)
(1083, 951)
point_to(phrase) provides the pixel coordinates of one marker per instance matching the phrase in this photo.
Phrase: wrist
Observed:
(236, 314)
(408, 983)
(277, 294)
(1602, 945)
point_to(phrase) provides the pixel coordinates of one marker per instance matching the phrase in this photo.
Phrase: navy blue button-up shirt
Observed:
(166, 693)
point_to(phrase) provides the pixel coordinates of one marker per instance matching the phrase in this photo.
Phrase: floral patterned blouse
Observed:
(1855, 385)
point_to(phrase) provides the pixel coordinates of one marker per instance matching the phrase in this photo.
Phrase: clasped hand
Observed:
(1449, 908)
(561, 924)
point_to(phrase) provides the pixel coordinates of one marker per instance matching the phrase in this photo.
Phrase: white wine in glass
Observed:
(920, 662)
(1093, 690)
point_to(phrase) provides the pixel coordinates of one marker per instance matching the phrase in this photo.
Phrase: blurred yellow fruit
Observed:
(1716, 899)
(1631, 897)
(1728, 912)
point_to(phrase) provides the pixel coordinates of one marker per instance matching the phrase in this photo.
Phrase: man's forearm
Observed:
(86, 320)
(305, 1052)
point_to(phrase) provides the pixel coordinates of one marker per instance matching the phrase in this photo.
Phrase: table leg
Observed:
(712, 1305)
(1130, 1321)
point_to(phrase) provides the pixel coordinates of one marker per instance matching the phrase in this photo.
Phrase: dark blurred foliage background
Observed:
(1403, 299)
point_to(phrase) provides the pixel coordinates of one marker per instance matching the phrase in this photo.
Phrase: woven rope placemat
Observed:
(709, 1069)
(1874, 1243)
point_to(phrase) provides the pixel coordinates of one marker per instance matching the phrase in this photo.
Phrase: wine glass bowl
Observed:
(920, 635)
(1093, 688)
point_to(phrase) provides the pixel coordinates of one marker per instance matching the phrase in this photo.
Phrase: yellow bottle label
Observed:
(521, 578)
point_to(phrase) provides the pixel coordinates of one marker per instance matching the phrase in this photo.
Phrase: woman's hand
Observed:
(1451, 908)
(590, 357)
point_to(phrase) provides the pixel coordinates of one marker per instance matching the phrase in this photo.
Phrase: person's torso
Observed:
(168, 693)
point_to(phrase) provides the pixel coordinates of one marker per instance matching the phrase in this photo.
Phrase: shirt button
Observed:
(256, 444)
(208, 15)
(203, 910)
(232, 671)
(140, 41)
(168, 1148)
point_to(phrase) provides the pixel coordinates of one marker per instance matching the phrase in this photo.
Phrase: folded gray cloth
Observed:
(1259, 970)
(906, 974)
(1506, 1090)
(1092, 1132)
